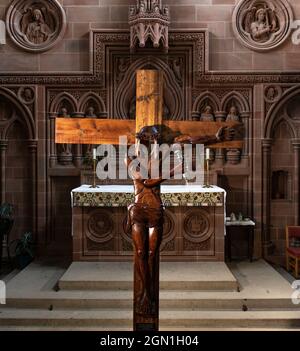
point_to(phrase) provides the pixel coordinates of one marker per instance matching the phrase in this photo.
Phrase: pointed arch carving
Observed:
(277, 112)
(20, 112)
(283, 120)
(95, 100)
(241, 103)
(56, 103)
(173, 95)
(204, 99)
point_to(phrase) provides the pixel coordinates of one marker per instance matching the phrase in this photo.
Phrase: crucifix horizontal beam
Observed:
(103, 131)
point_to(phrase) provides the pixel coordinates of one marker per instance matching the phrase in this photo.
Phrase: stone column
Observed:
(32, 146)
(245, 116)
(296, 192)
(196, 115)
(53, 154)
(266, 195)
(3, 148)
(78, 158)
(220, 154)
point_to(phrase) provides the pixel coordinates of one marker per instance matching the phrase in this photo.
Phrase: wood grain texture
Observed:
(108, 131)
(149, 98)
(93, 131)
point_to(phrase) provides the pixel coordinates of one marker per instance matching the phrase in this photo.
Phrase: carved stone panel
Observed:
(100, 230)
(36, 25)
(262, 25)
(197, 226)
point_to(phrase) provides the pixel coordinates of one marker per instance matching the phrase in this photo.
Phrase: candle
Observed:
(207, 154)
(94, 154)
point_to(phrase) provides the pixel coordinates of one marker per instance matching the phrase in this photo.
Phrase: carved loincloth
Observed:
(144, 215)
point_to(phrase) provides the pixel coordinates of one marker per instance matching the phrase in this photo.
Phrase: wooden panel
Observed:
(104, 131)
(149, 98)
(93, 131)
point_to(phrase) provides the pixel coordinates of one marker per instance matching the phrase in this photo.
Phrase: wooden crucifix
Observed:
(145, 216)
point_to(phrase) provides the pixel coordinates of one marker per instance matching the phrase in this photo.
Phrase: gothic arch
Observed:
(278, 121)
(90, 96)
(22, 114)
(274, 113)
(55, 105)
(172, 91)
(242, 103)
(206, 96)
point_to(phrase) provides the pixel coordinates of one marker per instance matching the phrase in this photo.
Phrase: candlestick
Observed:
(94, 154)
(94, 168)
(207, 185)
(207, 154)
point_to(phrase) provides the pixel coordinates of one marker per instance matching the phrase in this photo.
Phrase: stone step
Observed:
(212, 276)
(161, 329)
(188, 300)
(114, 318)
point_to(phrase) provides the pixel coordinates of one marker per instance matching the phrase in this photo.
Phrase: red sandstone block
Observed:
(119, 14)
(221, 45)
(217, 13)
(77, 45)
(88, 14)
(18, 62)
(268, 61)
(184, 14)
(117, 2)
(292, 62)
(187, 2)
(80, 2)
(67, 62)
(231, 61)
(69, 31)
(223, 2)
(81, 30)
(109, 25)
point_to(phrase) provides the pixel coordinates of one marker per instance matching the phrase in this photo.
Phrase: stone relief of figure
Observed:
(90, 112)
(34, 26)
(272, 94)
(233, 155)
(261, 23)
(27, 95)
(207, 114)
(177, 69)
(132, 10)
(156, 7)
(143, 7)
(233, 115)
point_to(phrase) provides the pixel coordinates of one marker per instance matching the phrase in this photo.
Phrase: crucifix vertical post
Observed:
(149, 107)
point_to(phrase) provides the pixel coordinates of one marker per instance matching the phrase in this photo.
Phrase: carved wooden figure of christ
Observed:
(145, 216)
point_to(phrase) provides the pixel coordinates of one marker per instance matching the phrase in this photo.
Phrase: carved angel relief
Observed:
(262, 25)
(36, 25)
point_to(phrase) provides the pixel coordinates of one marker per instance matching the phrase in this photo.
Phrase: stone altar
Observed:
(99, 219)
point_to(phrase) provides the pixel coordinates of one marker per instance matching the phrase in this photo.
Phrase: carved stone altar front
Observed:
(193, 227)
